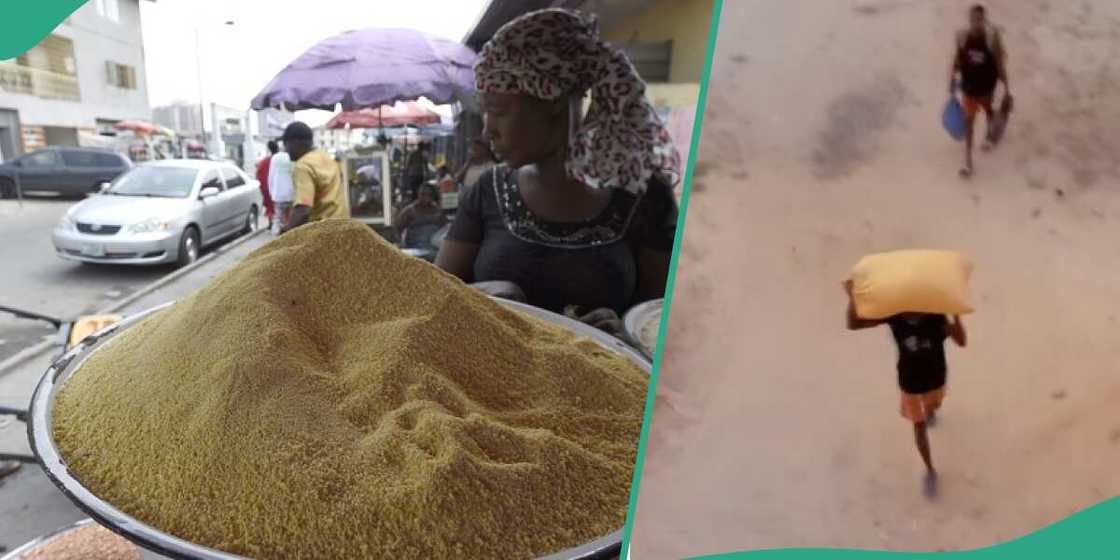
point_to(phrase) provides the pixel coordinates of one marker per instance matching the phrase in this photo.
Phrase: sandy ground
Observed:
(776, 427)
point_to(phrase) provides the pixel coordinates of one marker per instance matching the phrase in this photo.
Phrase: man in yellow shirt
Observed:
(316, 178)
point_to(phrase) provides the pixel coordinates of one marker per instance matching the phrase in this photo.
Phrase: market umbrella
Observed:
(400, 114)
(138, 127)
(370, 68)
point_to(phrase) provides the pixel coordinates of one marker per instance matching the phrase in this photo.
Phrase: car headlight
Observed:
(66, 222)
(150, 225)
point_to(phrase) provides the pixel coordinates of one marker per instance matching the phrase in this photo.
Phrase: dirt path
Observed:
(774, 426)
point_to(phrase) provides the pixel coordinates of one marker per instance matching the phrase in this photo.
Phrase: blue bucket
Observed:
(952, 118)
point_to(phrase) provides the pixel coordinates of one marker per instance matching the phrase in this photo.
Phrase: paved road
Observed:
(29, 504)
(33, 278)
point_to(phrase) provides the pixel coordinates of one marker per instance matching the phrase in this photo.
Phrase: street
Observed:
(33, 278)
(773, 425)
(30, 506)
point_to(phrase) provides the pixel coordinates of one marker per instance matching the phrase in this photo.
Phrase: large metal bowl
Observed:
(41, 434)
(45, 540)
(636, 320)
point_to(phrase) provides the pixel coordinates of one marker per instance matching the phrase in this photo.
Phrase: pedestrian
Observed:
(316, 180)
(981, 60)
(280, 188)
(922, 368)
(262, 177)
(419, 221)
(416, 170)
(479, 159)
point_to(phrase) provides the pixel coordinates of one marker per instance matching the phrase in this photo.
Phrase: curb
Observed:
(33, 351)
(177, 274)
(24, 355)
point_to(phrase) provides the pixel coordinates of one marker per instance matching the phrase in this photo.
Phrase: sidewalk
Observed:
(30, 505)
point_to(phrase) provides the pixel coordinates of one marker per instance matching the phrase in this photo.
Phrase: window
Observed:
(49, 70)
(233, 177)
(170, 182)
(74, 158)
(120, 75)
(109, 9)
(211, 180)
(41, 160)
(108, 160)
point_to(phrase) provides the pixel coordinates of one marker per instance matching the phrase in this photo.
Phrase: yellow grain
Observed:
(330, 397)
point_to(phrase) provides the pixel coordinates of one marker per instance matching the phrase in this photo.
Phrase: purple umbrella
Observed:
(370, 68)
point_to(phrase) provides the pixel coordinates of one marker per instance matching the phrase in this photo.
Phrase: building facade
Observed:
(338, 140)
(80, 80)
(183, 117)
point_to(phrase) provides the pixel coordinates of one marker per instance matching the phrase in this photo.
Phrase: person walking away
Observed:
(479, 160)
(420, 220)
(981, 60)
(263, 167)
(922, 368)
(316, 180)
(281, 189)
(416, 171)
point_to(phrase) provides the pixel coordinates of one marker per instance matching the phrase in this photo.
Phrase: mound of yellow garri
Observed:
(330, 397)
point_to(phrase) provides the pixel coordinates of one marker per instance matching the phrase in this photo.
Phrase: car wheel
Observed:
(189, 247)
(7, 189)
(250, 221)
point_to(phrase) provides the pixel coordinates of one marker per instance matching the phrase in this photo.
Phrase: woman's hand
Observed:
(501, 289)
(604, 319)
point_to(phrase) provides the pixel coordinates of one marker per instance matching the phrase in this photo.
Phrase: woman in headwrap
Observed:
(581, 215)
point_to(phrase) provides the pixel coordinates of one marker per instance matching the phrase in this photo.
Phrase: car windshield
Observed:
(160, 181)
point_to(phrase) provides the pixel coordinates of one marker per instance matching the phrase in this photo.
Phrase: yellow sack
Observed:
(914, 281)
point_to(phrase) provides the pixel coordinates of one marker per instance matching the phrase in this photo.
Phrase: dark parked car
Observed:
(67, 171)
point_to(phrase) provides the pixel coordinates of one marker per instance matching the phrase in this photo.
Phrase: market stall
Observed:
(367, 73)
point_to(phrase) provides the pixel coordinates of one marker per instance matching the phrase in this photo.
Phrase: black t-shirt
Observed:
(979, 72)
(921, 352)
(553, 277)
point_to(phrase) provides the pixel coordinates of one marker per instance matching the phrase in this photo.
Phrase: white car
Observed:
(160, 212)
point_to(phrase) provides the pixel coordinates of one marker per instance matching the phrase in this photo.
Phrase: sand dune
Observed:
(821, 142)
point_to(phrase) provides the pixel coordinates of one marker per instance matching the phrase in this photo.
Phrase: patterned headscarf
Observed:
(554, 53)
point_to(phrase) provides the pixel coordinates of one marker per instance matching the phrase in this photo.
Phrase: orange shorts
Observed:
(918, 407)
(972, 105)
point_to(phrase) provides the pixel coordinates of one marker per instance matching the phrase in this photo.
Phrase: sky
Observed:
(237, 61)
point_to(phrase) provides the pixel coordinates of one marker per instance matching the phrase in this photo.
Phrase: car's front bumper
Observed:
(120, 248)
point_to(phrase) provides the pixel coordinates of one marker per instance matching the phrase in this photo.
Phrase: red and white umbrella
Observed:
(139, 127)
(401, 114)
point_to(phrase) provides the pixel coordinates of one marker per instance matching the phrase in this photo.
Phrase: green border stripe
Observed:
(1090, 533)
(26, 22)
(701, 104)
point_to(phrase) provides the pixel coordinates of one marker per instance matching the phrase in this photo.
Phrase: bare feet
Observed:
(966, 172)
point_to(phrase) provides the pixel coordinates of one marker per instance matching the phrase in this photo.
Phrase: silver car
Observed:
(160, 212)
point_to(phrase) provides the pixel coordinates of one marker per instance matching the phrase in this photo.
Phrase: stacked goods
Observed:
(915, 281)
(330, 397)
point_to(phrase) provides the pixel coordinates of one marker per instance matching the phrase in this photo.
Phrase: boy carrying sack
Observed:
(914, 293)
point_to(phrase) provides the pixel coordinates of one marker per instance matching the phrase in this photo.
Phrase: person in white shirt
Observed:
(280, 188)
